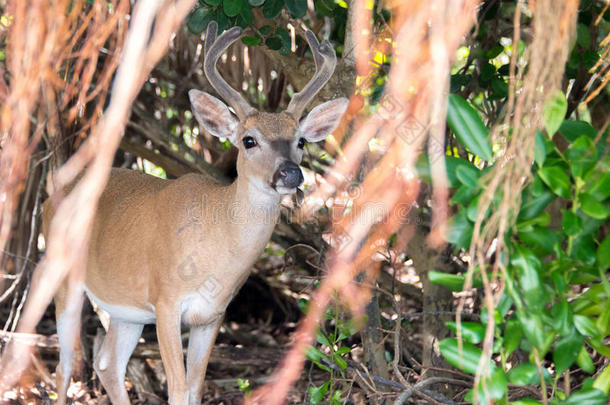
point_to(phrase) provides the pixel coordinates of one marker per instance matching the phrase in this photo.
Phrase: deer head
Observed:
(270, 144)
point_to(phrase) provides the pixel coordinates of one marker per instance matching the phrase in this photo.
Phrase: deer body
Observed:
(175, 252)
(185, 232)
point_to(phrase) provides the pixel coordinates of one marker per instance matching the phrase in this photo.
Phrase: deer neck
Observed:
(253, 210)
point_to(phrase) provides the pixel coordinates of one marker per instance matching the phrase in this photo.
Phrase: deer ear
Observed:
(323, 120)
(213, 115)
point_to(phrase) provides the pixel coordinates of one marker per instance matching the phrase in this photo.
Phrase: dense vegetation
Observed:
(515, 308)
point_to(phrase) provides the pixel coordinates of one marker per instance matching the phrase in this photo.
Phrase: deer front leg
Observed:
(201, 341)
(170, 345)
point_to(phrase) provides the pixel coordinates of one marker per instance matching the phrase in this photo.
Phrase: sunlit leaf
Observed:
(557, 180)
(553, 112)
(524, 374)
(468, 127)
(584, 361)
(592, 207)
(467, 360)
(472, 332)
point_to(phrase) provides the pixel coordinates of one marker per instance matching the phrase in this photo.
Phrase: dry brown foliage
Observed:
(35, 74)
(424, 37)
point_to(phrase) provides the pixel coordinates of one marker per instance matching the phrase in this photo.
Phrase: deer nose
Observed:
(289, 174)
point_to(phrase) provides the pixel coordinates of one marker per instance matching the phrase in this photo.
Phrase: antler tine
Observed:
(213, 49)
(325, 60)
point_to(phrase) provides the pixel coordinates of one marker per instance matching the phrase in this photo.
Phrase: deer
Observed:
(175, 252)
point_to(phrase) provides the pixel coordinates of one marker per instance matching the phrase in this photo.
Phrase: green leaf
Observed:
(487, 72)
(541, 239)
(525, 401)
(533, 205)
(598, 185)
(223, 24)
(317, 393)
(566, 352)
(583, 36)
(572, 130)
(589, 58)
(499, 87)
(557, 180)
(265, 30)
(570, 223)
(468, 176)
(251, 40)
(531, 325)
(512, 336)
(472, 332)
(490, 388)
(455, 282)
(212, 2)
(343, 350)
(256, 3)
(603, 254)
(322, 339)
(297, 8)
(539, 149)
(553, 112)
(460, 231)
(592, 207)
(467, 360)
(582, 156)
(496, 384)
(452, 164)
(583, 248)
(591, 396)
(313, 354)
(339, 361)
(562, 317)
(584, 361)
(524, 374)
(198, 20)
(246, 15)
(274, 43)
(463, 195)
(528, 268)
(493, 52)
(348, 328)
(231, 7)
(602, 382)
(284, 35)
(336, 398)
(468, 127)
(272, 9)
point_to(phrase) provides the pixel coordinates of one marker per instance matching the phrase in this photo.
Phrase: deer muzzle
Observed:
(288, 176)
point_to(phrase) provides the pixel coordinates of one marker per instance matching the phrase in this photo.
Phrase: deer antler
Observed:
(325, 60)
(213, 49)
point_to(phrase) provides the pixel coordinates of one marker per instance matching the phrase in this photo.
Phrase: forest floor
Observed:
(257, 331)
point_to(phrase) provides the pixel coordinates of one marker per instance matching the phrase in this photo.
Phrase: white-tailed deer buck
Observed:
(176, 251)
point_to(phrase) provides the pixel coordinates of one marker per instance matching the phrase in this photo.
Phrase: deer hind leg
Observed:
(68, 308)
(111, 361)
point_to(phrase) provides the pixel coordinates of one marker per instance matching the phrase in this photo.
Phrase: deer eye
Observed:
(302, 143)
(249, 142)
